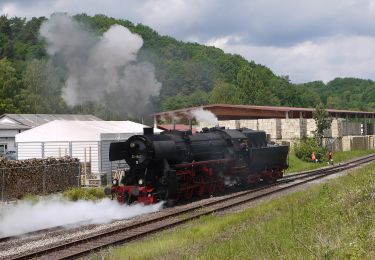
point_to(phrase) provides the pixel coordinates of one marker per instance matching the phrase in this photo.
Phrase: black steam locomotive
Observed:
(178, 164)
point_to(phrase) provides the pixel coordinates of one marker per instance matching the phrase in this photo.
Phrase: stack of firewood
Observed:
(37, 176)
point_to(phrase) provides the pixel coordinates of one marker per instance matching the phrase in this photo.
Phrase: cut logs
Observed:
(37, 176)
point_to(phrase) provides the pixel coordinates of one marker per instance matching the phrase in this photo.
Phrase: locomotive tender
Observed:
(178, 164)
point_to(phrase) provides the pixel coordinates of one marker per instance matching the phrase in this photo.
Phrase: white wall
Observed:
(56, 149)
(29, 150)
(7, 136)
(99, 151)
(8, 133)
(78, 151)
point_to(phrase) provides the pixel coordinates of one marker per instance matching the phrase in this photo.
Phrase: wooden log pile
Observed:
(37, 176)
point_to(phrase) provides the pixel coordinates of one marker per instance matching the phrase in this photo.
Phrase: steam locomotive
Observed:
(175, 165)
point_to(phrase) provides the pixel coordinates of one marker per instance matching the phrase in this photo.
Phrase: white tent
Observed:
(86, 140)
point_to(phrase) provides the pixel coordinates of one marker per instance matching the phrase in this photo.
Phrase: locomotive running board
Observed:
(185, 165)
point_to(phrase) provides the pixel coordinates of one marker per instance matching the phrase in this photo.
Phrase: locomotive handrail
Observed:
(185, 165)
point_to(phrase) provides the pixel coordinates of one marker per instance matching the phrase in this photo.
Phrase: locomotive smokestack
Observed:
(148, 130)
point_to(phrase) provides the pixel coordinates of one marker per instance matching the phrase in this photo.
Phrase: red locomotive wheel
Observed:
(200, 190)
(220, 186)
(211, 188)
(189, 193)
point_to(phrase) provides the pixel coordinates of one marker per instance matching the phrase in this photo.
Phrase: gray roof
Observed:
(33, 120)
(5, 126)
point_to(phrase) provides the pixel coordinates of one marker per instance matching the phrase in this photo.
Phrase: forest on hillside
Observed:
(190, 75)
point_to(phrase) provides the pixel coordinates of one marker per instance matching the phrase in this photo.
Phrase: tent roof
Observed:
(61, 130)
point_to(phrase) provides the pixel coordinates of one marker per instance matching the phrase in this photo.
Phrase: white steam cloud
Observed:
(205, 116)
(100, 68)
(27, 217)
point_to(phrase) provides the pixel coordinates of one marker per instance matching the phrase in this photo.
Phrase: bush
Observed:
(30, 197)
(75, 194)
(304, 149)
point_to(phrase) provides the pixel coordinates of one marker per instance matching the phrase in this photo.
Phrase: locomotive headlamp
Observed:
(132, 145)
(140, 182)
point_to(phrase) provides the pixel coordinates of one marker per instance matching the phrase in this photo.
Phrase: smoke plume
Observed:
(27, 217)
(205, 116)
(100, 68)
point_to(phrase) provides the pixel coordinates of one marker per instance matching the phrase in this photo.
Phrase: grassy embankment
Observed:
(297, 165)
(333, 220)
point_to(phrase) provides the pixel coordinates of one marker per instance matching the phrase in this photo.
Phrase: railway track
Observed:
(46, 230)
(173, 218)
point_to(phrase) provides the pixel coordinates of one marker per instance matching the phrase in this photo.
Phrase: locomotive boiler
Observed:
(176, 165)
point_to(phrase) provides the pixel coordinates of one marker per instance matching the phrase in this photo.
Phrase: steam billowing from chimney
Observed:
(205, 116)
(101, 68)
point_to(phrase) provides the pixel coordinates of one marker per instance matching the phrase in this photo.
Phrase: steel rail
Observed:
(120, 235)
(45, 230)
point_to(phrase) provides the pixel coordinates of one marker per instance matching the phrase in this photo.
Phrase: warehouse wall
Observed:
(7, 138)
(81, 150)
(358, 142)
(86, 150)
(343, 135)
(29, 150)
(56, 149)
(106, 165)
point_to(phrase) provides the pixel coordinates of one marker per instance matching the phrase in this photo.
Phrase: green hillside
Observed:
(191, 74)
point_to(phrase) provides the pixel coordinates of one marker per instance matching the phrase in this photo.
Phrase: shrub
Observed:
(75, 194)
(30, 197)
(304, 149)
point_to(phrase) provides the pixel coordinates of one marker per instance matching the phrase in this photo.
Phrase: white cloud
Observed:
(174, 15)
(304, 39)
(223, 42)
(323, 59)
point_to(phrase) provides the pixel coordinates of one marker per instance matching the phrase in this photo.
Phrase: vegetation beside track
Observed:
(80, 193)
(297, 165)
(331, 220)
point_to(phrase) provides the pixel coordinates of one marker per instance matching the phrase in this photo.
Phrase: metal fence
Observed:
(16, 182)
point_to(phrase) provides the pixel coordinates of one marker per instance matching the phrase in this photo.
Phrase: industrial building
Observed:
(86, 140)
(349, 129)
(12, 124)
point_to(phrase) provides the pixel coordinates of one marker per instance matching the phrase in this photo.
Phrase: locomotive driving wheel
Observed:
(189, 193)
(220, 186)
(211, 187)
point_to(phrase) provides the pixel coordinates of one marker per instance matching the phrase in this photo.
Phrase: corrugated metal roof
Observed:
(61, 130)
(33, 120)
(6, 126)
(225, 111)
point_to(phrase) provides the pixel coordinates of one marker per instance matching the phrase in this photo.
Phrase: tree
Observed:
(223, 93)
(42, 92)
(9, 87)
(323, 122)
(251, 90)
(197, 98)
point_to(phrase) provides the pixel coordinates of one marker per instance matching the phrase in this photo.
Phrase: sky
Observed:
(306, 40)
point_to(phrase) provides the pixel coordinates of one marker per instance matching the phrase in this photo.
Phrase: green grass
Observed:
(334, 220)
(297, 165)
(75, 194)
(31, 198)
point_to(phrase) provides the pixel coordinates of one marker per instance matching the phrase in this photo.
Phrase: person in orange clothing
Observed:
(330, 158)
(313, 157)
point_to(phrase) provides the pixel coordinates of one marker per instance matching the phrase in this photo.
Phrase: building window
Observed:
(3, 148)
